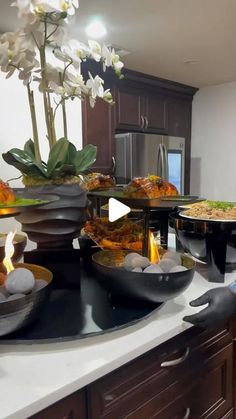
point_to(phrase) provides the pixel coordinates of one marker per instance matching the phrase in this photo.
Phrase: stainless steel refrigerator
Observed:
(141, 154)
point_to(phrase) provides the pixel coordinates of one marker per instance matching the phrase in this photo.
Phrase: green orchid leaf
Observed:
(29, 148)
(24, 162)
(57, 155)
(64, 170)
(85, 158)
(71, 154)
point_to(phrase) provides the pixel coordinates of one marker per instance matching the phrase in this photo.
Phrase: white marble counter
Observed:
(33, 377)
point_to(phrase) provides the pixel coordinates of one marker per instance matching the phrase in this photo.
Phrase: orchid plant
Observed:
(25, 51)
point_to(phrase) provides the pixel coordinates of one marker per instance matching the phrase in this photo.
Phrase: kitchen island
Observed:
(33, 377)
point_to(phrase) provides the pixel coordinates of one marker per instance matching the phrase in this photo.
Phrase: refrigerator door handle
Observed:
(146, 122)
(142, 121)
(113, 160)
(160, 160)
(165, 162)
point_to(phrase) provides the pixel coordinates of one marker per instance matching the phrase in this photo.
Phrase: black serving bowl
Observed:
(211, 242)
(19, 243)
(18, 313)
(141, 286)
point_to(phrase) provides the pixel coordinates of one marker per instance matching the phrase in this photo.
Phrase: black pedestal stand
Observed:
(63, 263)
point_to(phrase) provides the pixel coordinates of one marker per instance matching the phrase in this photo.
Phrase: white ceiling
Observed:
(189, 41)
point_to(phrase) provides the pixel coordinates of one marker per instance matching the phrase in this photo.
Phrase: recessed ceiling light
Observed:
(96, 29)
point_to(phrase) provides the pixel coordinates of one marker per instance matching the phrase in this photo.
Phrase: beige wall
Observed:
(213, 163)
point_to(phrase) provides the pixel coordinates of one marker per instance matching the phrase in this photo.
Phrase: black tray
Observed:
(72, 314)
(163, 202)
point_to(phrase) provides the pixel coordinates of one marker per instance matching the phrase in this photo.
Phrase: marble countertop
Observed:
(33, 377)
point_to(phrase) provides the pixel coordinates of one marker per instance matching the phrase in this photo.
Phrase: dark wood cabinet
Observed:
(71, 407)
(98, 129)
(190, 376)
(200, 385)
(142, 103)
(139, 111)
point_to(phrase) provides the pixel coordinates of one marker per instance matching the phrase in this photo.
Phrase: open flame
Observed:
(154, 256)
(9, 252)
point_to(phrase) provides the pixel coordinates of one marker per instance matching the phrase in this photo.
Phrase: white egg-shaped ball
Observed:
(39, 284)
(167, 264)
(2, 298)
(20, 281)
(128, 260)
(172, 255)
(140, 262)
(15, 297)
(178, 268)
(153, 269)
(137, 269)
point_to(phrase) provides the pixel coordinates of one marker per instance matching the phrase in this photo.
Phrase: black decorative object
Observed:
(140, 286)
(212, 242)
(63, 263)
(72, 314)
(56, 225)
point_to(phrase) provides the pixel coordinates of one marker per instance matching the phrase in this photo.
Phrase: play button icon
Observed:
(116, 209)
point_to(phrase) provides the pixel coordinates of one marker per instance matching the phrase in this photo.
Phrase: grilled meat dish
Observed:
(6, 194)
(150, 187)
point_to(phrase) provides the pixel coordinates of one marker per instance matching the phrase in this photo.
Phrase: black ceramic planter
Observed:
(212, 242)
(55, 225)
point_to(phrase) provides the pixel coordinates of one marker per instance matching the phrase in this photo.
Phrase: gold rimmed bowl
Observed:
(143, 286)
(21, 312)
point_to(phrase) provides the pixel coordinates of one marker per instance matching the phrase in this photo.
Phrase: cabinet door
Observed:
(129, 109)
(155, 114)
(98, 130)
(71, 407)
(179, 117)
(152, 385)
(212, 394)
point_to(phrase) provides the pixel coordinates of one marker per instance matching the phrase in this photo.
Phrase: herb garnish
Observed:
(223, 205)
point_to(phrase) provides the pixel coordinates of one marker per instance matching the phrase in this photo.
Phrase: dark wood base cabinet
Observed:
(71, 407)
(190, 376)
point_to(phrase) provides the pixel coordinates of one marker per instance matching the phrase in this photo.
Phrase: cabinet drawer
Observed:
(71, 407)
(147, 380)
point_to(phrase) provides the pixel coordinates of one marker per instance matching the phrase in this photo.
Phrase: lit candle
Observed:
(9, 252)
(153, 249)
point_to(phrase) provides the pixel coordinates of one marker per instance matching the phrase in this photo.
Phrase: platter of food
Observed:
(14, 201)
(219, 211)
(151, 192)
(121, 234)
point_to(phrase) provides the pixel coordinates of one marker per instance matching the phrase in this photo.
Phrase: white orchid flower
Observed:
(48, 6)
(111, 59)
(107, 96)
(95, 50)
(75, 51)
(58, 90)
(95, 84)
(67, 6)
(24, 7)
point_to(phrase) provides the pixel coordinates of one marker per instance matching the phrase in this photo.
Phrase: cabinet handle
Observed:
(113, 164)
(142, 121)
(146, 122)
(187, 413)
(108, 397)
(176, 361)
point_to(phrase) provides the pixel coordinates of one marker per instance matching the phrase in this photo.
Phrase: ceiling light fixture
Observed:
(96, 29)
